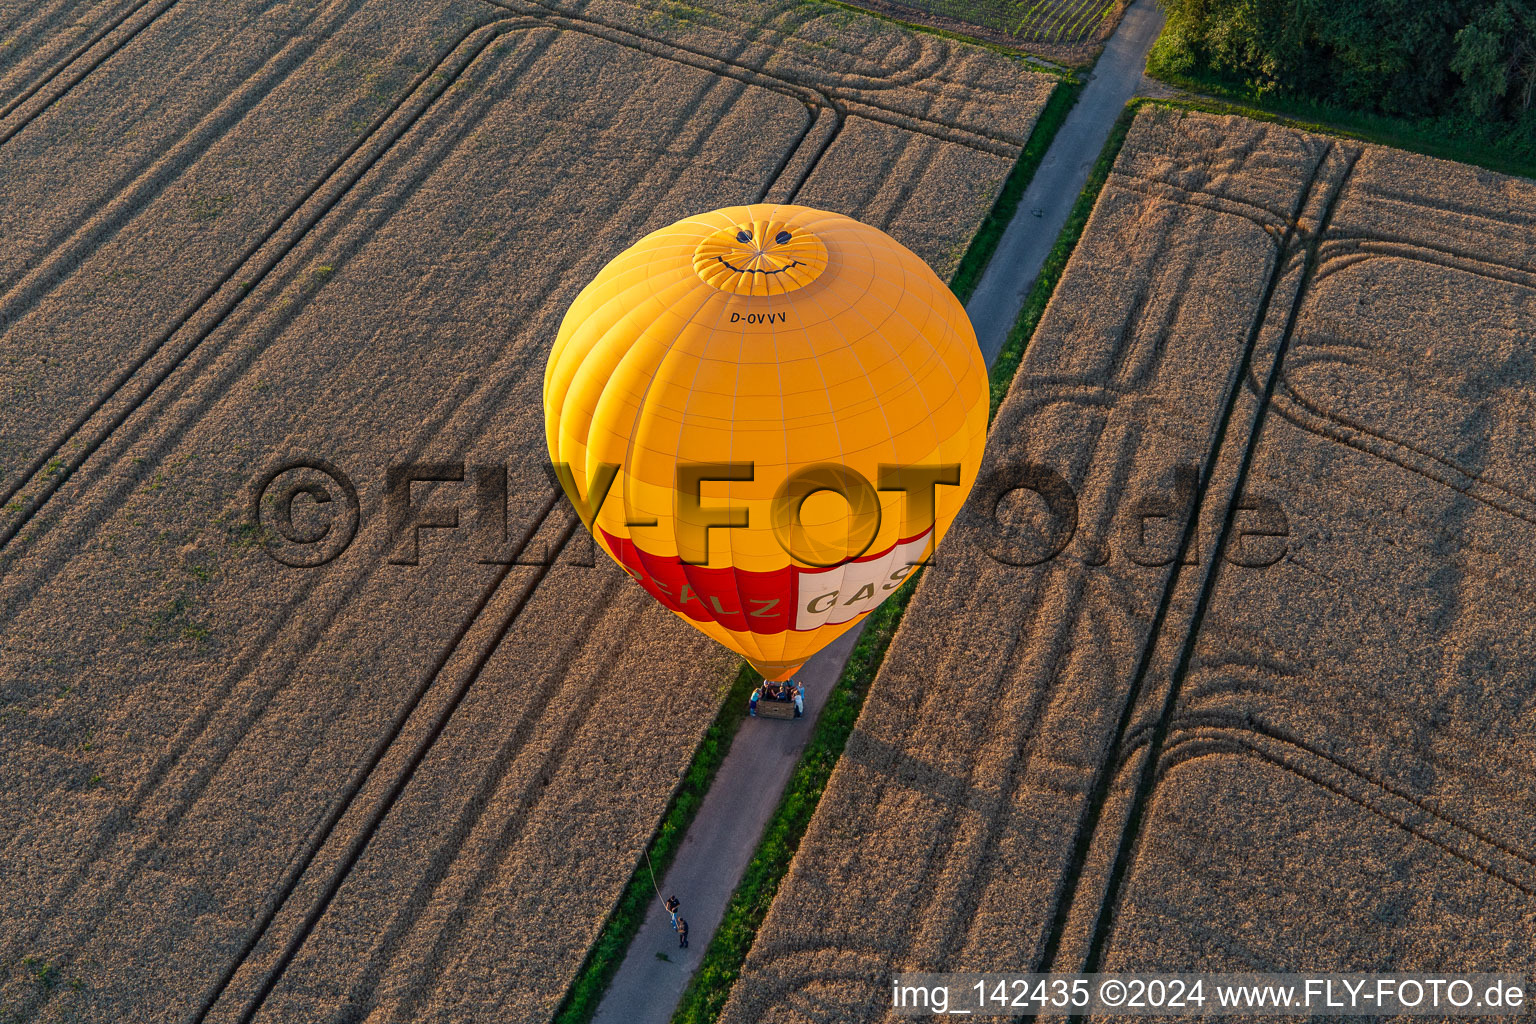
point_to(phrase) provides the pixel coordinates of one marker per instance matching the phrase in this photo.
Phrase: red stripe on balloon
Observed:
(717, 595)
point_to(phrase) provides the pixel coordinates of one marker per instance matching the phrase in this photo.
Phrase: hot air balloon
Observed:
(767, 415)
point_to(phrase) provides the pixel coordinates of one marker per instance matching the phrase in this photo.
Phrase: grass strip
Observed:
(711, 985)
(605, 955)
(984, 242)
(1219, 95)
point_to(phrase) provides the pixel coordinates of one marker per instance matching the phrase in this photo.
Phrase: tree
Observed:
(1468, 61)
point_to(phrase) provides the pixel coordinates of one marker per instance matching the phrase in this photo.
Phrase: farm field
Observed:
(1310, 753)
(1065, 30)
(409, 783)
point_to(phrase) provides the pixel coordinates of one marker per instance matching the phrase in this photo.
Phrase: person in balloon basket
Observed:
(778, 691)
(761, 692)
(764, 691)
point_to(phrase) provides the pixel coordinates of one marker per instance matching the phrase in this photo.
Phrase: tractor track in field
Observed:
(1094, 807)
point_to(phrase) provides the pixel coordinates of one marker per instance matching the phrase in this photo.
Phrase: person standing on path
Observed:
(682, 934)
(671, 906)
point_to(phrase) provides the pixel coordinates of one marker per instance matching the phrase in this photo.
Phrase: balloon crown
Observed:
(763, 258)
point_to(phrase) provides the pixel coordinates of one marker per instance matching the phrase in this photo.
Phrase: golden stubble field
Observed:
(237, 234)
(1124, 759)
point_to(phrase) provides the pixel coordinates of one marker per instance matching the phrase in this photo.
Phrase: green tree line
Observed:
(1469, 66)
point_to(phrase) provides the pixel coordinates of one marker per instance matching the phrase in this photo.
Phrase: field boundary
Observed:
(723, 959)
(1214, 95)
(1060, 55)
(421, 94)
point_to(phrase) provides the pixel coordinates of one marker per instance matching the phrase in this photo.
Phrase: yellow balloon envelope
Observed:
(768, 415)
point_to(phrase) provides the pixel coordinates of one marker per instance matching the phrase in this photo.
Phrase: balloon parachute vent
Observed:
(763, 258)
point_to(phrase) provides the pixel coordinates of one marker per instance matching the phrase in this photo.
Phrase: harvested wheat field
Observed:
(1310, 754)
(404, 784)
(1064, 30)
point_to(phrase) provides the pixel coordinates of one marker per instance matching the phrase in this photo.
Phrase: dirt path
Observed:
(1061, 176)
(723, 835)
